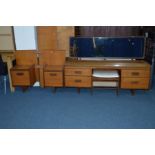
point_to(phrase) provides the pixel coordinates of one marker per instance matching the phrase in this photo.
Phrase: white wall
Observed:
(25, 37)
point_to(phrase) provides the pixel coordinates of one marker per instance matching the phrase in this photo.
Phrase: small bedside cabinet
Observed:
(53, 76)
(23, 76)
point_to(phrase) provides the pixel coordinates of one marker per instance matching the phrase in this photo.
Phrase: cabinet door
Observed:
(47, 37)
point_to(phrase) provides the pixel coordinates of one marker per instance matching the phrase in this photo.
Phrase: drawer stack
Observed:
(135, 78)
(78, 77)
(53, 76)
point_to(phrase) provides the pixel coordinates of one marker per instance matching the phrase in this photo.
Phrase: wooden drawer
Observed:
(20, 78)
(135, 73)
(53, 79)
(77, 81)
(78, 71)
(135, 83)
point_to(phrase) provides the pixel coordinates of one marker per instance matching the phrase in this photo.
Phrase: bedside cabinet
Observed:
(23, 76)
(53, 76)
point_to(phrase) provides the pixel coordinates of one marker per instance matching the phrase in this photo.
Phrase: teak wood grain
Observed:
(135, 83)
(26, 57)
(77, 81)
(54, 37)
(53, 79)
(47, 37)
(52, 57)
(78, 71)
(23, 75)
(51, 60)
(135, 73)
(108, 64)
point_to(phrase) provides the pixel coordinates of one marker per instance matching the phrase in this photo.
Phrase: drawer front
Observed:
(135, 73)
(77, 81)
(20, 78)
(53, 79)
(78, 71)
(135, 83)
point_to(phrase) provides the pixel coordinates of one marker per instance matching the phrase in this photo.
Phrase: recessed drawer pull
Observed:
(19, 74)
(135, 73)
(78, 72)
(134, 82)
(77, 81)
(53, 74)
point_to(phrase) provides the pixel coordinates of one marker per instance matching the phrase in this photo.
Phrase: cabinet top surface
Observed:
(53, 68)
(23, 67)
(108, 63)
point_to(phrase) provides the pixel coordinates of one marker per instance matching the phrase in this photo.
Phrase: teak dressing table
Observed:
(134, 74)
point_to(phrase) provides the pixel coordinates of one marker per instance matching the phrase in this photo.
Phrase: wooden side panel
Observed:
(41, 76)
(26, 57)
(33, 78)
(55, 57)
(63, 35)
(54, 37)
(47, 37)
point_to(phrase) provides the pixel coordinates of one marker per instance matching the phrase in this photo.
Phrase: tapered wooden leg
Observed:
(54, 90)
(91, 91)
(24, 88)
(78, 90)
(118, 86)
(117, 91)
(146, 90)
(132, 92)
(9, 66)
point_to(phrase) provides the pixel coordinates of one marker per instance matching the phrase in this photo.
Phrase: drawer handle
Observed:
(134, 82)
(135, 73)
(53, 74)
(78, 72)
(20, 74)
(77, 81)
